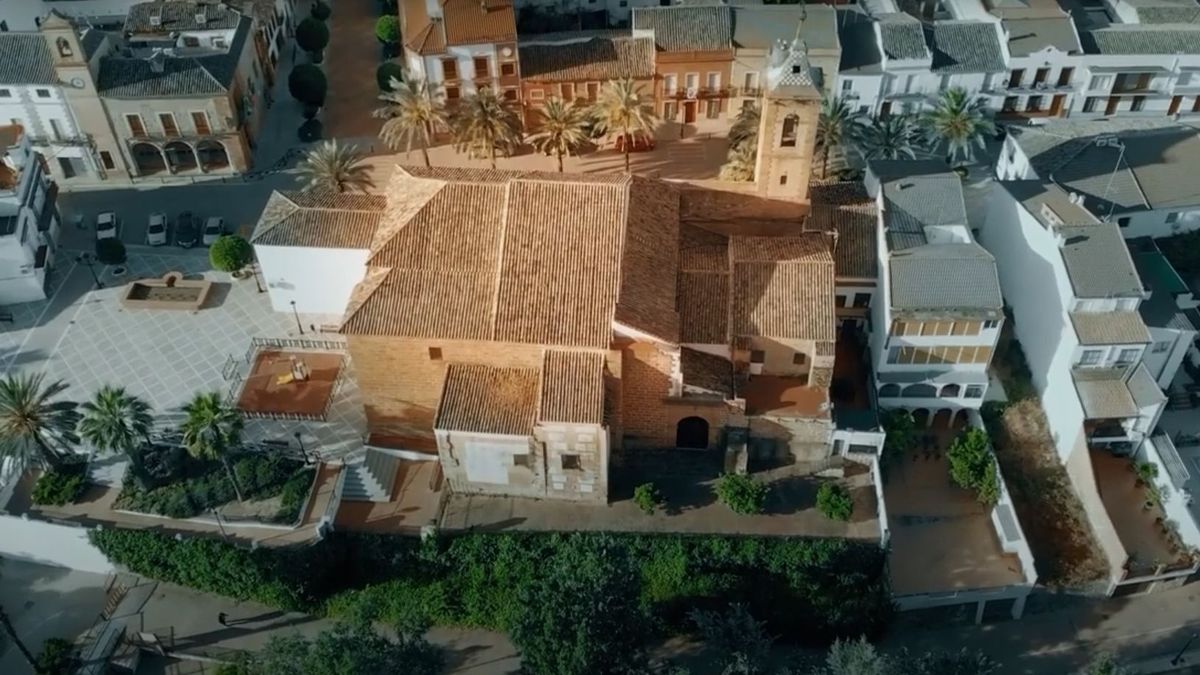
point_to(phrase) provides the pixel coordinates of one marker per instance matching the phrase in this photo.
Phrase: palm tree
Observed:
(412, 115)
(893, 137)
(336, 168)
(957, 123)
(484, 122)
(562, 130)
(622, 108)
(739, 164)
(837, 126)
(745, 127)
(34, 430)
(115, 421)
(212, 430)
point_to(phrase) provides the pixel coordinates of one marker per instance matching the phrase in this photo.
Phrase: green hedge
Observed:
(60, 485)
(207, 485)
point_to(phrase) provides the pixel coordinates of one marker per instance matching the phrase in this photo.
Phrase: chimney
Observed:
(156, 17)
(158, 62)
(201, 16)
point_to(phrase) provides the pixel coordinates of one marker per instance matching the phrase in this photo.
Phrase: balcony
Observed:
(701, 93)
(1041, 88)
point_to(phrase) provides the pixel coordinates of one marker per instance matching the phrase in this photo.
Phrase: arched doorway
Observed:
(942, 419)
(921, 417)
(180, 156)
(960, 419)
(692, 433)
(148, 159)
(213, 156)
(951, 391)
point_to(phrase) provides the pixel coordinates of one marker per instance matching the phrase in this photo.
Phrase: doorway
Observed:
(692, 433)
(689, 112)
(1111, 107)
(1056, 105)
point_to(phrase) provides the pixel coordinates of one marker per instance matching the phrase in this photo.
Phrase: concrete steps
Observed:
(372, 478)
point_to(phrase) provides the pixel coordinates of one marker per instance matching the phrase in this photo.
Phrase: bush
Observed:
(647, 497)
(110, 251)
(309, 111)
(57, 657)
(834, 501)
(293, 496)
(387, 29)
(972, 465)
(307, 84)
(204, 485)
(386, 72)
(60, 485)
(321, 11)
(741, 493)
(155, 465)
(310, 131)
(230, 253)
(313, 36)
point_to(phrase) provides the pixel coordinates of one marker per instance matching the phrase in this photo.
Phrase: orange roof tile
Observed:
(478, 21)
(650, 259)
(783, 287)
(488, 400)
(572, 387)
(704, 308)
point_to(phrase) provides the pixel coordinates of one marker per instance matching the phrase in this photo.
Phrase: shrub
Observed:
(386, 72)
(307, 84)
(321, 11)
(834, 501)
(230, 253)
(293, 496)
(647, 497)
(158, 464)
(313, 36)
(206, 485)
(387, 29)
(310, 131)
(741, 493)
(60, 485)
(110, 251)
(309, 111)
(972, 465)
(57, 657)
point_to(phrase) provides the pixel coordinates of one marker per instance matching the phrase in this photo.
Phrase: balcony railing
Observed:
(43, 141)
(698, 93)
(1041, 87)
(1176, 470)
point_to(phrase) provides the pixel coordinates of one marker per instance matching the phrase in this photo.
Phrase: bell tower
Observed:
(791, 105)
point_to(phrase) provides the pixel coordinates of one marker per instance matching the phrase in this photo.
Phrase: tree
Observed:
(344, 650)
(837, 126)
(115, 421)
(412, 116)
(313, 36)
(745, 128)
(740, 162)
(892, 137)
(972, 465)
(901, 431)
(647, 497)
(389, 75)
(621, 108)
(110, 251)
(387, 29)
(212, 431)
(740, 641)
(484, 123)
(562, 130)
(741, 493)
(34, 429)
(957, 124)
(335, 168)
(307, 84)
(962, 662)
(230, 253)
(834, 501)
(581, 617)
(321, 11)
(855, 657)
(1105, 663)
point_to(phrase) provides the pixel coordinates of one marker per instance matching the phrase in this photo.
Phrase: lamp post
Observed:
(89, 260)
(308, 459)
(220, 525)
(1179, 656)
(296, 314)
(254, 271)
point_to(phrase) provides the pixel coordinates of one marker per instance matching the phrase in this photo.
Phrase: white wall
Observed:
(319, 280)
(1165, 364)
(1154, 223)
(1174, 502)
(51, 544)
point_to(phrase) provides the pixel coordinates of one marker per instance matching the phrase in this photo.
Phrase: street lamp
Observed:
(314, 458)
(296, 314)
(90, 260)
(1179, 656)
(257, 283)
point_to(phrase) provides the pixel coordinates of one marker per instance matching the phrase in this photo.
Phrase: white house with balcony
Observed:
(1075, 294)
(937, 313)
(29, 222)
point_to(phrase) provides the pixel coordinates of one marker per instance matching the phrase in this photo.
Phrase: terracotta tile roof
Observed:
(854, 254)
(783, 287)
(572, 387)
(704, 308)
(650, 260)
(463, 22)
(702, 251)
(316, 220)
(706, 372)
(488, 400)
(594, 59)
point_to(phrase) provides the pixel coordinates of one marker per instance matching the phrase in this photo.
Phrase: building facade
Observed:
(29, 221)
(457, 46)
(574, 69)
(693, 62)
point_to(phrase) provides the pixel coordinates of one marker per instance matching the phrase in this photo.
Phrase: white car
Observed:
(156, 230)
(213, 228)
(106, 225)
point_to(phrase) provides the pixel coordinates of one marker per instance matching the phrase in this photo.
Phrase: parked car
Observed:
(213, 227)
(187, 230)
(156, 229)
(106, 225)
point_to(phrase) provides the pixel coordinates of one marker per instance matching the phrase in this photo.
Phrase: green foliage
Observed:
(738, 639)
(834, 501)
(855, 657)
(313, 36)
(310, 131)
(35, 429)
(230, 253)
(387, 30)
(293, 496)
(60, 485)
(344, 650)
(153, 465)
(386, 72)
(57, 658)
(1014, 372)
(957, 124)
(860, 657)
(321, 11)
(1105, 664)
(205, 484)
(972, 465)
(647, 497)
(901, 430)
(115, 421)
(741, 493)
(962, 662)
(307, 84)
(110, 251)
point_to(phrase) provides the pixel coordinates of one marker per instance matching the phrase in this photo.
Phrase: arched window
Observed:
(889, 391)
(692, 432)
(788, 138)
(920, 391)
(64, 47)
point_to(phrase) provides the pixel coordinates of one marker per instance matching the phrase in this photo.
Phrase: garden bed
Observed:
(274, 489)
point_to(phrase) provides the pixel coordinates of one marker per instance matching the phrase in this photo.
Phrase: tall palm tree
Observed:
(837, 126)
(115, 421)
(893, 137)
(957, 124)
(562, 130)
(745, 127)
(412, 115)
(35, 430)
(484, 122)
(212, 430)
(336, 168)
(739, 164)
(621, 108)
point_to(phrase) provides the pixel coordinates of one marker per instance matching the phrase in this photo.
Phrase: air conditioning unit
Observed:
(692, 92)
(155, 19)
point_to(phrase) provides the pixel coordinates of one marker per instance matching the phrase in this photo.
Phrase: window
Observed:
(510, 94)
(893, 355)
(839, 300)
(991, 323)
(783, 179)
(788, 138)
(1172, 217)
(593, 91)
(1127, 357)
(452, 93)
(449, 69)
(691, 82)
(670, 109)
(435, 353)
(571, 463)
(713, 82)
(670, 85)
(862, 300)
(537, 95)
(64, 48)
(1064, 76)
(107, 160)
(167, 120)
(1034, 104)
(712, 108)
(1160, 347)
(799, 358)
(482, 68)
(1040, 76)
(1100, 82)
(567, 91)
(524, 461)
(1139, 103)
(847, 86)
(191, 41)
(1010, 104)
(1123, 222)
(757, 356)
(136, 128)
(508, 69)
(5, 93)
(1014, 79)
(974, 391)
(200, 123)
(219, 43)
(750, 84)
(1090, 357)
(623, 3)
(43, 93)
(1092, 104)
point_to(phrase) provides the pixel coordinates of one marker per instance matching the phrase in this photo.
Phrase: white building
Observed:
(1169, 313)
(937, 311)
(457, 45)
(29, 222)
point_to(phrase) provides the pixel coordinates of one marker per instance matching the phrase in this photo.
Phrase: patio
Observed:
(273, 387)
(1138, 521)
(784, 397)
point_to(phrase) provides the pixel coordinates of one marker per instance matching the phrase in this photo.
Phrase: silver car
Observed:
(156, 230)
(214, 227)
(106, 225)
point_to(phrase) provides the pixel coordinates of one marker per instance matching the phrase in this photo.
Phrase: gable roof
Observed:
(1026, 36)
(463, 22)
(591, 59)
(26, 59)
(944, 277)
(179, 15)
(902, 37)
(180, 76)
(572, 387)
(319, 220)
(488, 400)
(965, 47)
(860, 49)
(763, 26)
(687, 28)
(1164, 39)
(782, 287)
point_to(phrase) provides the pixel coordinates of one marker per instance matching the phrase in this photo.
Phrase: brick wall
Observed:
(649, 417)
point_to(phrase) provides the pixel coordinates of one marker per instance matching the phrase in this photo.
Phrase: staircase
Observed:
(371, 479)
